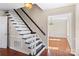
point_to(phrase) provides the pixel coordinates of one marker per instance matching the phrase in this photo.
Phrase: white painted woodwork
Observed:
(3, 32)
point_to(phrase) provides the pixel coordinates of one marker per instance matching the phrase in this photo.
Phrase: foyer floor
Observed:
(59, 47)
(11, 52)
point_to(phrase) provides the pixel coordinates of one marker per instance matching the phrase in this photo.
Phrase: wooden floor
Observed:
(59, 47)
(10, 52)
(56, 47)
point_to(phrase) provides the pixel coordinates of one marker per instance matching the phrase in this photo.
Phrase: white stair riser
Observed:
(38, 46)
(34, 43)
(18, 23)
(26, 36)
(24, 32)
(15, 18)
(30, 39)
(41, 51)
(21, 28)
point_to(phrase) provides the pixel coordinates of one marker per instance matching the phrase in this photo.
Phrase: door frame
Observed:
(68, 16)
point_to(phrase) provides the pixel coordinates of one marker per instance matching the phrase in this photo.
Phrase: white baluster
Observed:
(33, 50)
(35, 45)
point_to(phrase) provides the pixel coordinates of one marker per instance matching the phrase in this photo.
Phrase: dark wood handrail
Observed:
(33, 21)
(24, 22)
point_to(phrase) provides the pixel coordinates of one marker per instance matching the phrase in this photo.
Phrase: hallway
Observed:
(59, 47)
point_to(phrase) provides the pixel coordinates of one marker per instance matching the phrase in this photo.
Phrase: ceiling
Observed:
(44, 6)
(8, 6)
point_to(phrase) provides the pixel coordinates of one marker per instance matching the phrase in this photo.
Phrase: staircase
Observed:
(30, 43)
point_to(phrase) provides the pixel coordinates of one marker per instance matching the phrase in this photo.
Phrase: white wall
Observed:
(2, 13)
(39, 18)
(77, 29)
(58, 27)
(3, 32)
(9, 6)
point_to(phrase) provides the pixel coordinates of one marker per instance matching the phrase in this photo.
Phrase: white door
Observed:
(3, 32)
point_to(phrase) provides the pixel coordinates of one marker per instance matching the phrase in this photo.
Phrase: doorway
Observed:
(60, 34)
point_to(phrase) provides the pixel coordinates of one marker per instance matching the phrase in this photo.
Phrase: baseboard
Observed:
(57, 37)
(73, 52)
